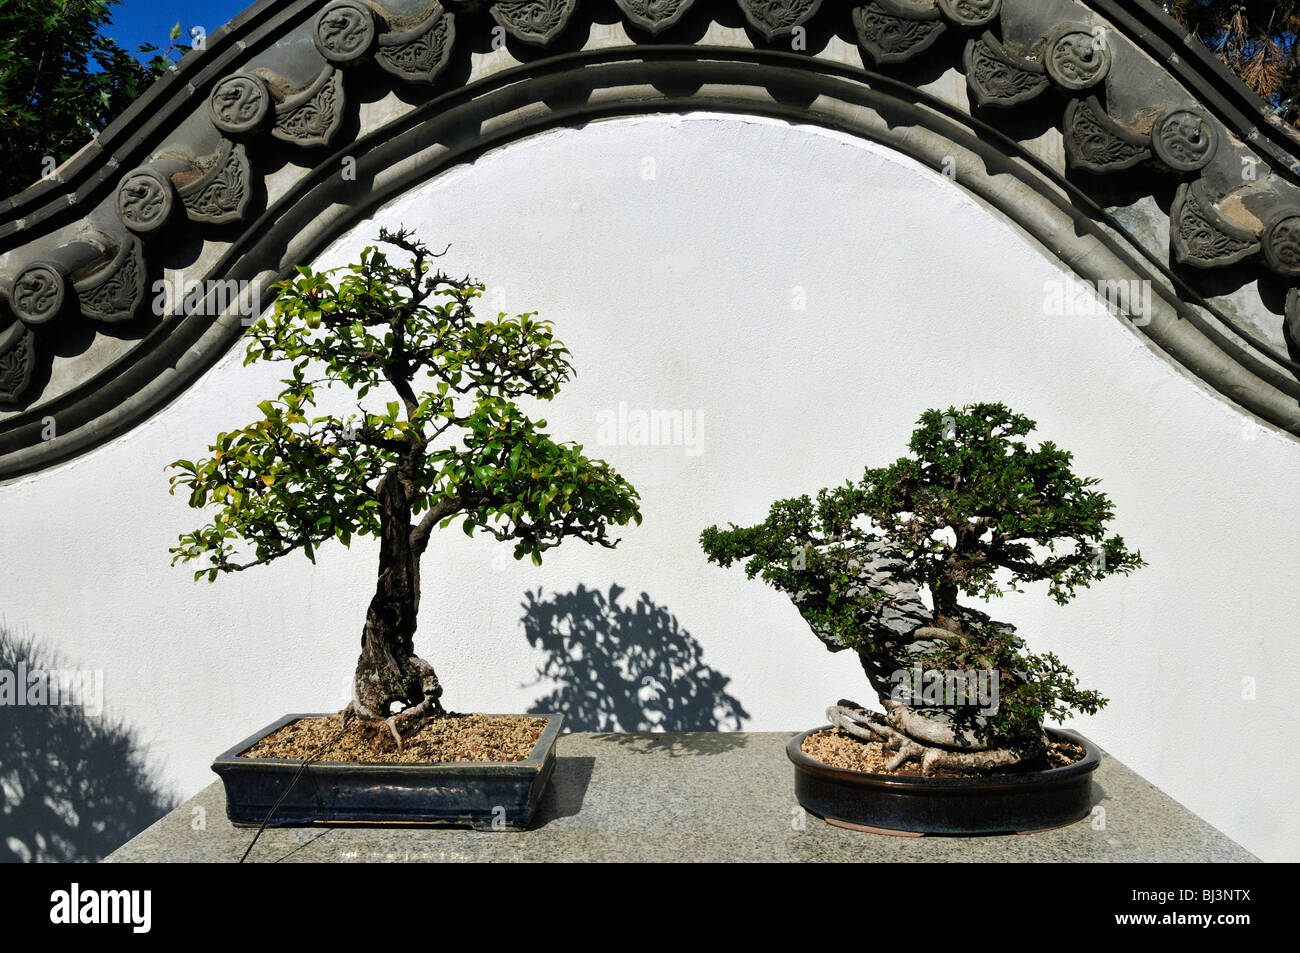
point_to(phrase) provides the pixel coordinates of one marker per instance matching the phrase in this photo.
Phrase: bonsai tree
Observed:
(462, 450)
(972, 511)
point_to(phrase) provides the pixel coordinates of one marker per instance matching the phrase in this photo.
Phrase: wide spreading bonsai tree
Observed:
(972, 511)
(461, 450)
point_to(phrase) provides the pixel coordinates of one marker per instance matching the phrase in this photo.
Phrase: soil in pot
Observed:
(839, 749)
(442, 739)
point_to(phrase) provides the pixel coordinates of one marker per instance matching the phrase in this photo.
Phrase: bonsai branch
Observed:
(436, 514)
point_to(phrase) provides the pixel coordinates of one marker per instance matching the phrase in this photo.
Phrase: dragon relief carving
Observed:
(38, 294)
(239, 103)
(345, 31)
(1077, 57)
(971, 13)
(144, 200)
(1184, 140)
(1282, 244)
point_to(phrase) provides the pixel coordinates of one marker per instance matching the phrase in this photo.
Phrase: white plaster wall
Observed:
(668, 251)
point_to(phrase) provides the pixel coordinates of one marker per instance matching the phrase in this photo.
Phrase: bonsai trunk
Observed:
(388, 671)
(929, 736)
(946, 613)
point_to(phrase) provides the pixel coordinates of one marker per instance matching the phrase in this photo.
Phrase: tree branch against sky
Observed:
(1256, 39)
(70, 67)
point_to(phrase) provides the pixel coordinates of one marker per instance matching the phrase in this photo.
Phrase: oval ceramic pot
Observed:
(1000, 804)
(485, 795)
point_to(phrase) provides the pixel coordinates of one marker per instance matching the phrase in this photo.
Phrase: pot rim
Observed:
(230, 759)
(1048, 777)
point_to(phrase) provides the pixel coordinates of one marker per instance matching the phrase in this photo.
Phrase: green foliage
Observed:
(463, 448)
(62, 81)
(972, 510)
(1032, 688)
(808, 546)
(974, 499)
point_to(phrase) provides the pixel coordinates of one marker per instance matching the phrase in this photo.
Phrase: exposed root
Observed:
(926, 731)
(377, 688)
(893, 731)
(406, 722)
(403, 721)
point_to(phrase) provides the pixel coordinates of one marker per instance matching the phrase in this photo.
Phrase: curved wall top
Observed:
(1103, 131)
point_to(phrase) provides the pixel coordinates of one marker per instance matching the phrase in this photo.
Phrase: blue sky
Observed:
(150, 21)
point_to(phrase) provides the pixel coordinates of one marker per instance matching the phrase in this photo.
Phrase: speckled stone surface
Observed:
(694, 797)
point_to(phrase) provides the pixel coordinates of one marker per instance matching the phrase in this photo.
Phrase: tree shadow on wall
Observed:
(621, 668)
(74, 785)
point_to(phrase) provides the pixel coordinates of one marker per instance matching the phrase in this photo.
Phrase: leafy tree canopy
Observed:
(463, 449)
(974, 509)
(62, 80)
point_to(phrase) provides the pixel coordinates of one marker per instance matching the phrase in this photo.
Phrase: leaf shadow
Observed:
(629, 669)
(75, 785)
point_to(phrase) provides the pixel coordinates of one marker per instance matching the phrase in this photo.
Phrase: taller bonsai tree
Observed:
(974, 511)
(463, 450)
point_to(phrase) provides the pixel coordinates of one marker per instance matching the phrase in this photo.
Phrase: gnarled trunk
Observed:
(388, 670)
(903, 631)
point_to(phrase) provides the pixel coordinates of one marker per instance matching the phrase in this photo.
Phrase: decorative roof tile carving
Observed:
(145, 200)
(419, 54)
(654, 16)
(1077, 56)
(778, 18)
(313, 116)
(218, 189)
(17, 359)
(345, 32)
(997, 77)
(1096, 142)
(115, 292)
(889, 37)
(971, 14)
(39, 294)
(1203, 238)
(534, 21)
(1282, 243)
(1184, 139)
(239, 104)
